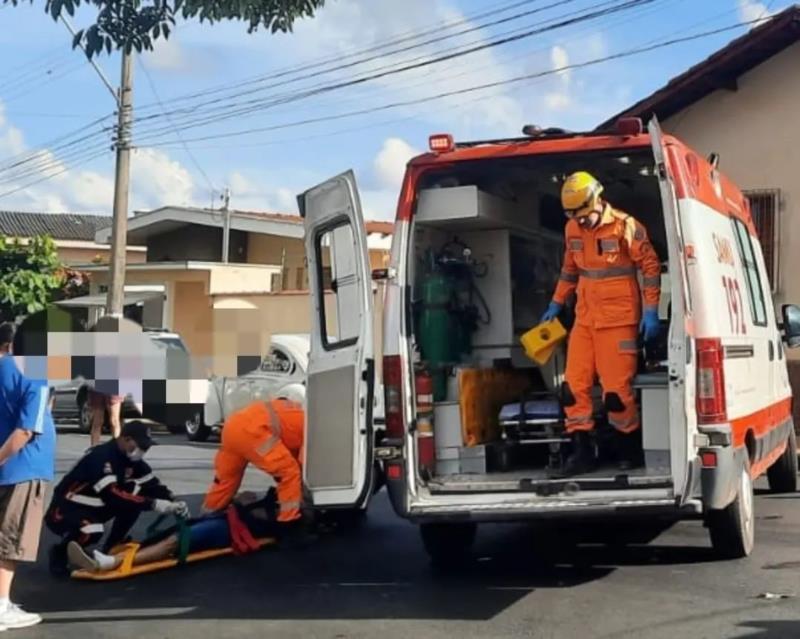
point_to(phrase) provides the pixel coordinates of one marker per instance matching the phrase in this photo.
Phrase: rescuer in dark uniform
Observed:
(111, 481)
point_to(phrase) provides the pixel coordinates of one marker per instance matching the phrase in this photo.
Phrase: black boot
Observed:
(629, 452)
(582, 460)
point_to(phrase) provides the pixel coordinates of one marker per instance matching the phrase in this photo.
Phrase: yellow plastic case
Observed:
(541, 340)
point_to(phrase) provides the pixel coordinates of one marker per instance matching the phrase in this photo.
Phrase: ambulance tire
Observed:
(732, 529)
(448, 545)
(782, 475)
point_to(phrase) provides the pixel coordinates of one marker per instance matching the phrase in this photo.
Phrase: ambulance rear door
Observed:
(340, 386)
(682, 382)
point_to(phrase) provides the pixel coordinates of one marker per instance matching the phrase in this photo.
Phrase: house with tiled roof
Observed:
(223, 306)
(73, 234)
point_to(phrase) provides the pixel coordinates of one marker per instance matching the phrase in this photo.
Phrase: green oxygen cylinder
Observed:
(436, 330)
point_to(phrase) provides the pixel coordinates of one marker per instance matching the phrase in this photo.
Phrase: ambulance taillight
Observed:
(392, 387)
(711, 407)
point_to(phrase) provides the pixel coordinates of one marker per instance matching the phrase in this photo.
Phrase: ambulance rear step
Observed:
(542, 485)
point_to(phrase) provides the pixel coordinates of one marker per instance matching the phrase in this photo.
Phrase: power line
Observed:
(177, 132)
(482, 87)
(322, 89)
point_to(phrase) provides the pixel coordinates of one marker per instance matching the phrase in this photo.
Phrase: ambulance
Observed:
(472, 424)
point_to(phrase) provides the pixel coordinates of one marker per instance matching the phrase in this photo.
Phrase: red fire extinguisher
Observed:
(426, 443)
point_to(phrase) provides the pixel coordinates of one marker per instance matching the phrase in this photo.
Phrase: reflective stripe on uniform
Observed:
(92, 529)
(268, 445)
(610, 244)
(621, 423)
(584, 419)
(572, 278)
(628, 345)
(576, 245)
(652, 281)
(603, 273)
(105, 482)
(289, 505)
(136, 489)
(274, 420)
(146, 478)
(85, 500)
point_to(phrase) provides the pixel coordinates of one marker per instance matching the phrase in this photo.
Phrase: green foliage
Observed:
(136, 24)
(29, 275)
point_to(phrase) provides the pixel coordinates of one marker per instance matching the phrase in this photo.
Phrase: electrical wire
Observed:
(482, 87)
(311, 92)
(177, 132)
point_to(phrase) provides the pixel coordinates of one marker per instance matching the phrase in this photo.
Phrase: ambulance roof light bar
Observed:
(441, 143)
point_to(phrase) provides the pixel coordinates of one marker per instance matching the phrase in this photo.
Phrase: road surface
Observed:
(376, 582)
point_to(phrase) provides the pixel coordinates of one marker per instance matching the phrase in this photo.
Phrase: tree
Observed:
(30, 274)
(136, 24)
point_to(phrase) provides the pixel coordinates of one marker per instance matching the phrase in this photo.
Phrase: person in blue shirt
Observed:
(27, 464)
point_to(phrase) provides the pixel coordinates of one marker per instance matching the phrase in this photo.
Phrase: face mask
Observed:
(136, 454)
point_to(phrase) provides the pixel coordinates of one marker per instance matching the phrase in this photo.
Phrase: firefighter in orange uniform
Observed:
(605, 248)
(269, 435)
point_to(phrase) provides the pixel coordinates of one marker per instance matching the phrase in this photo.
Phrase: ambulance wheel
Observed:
(782, 475)
(448, 545)
(732, 529)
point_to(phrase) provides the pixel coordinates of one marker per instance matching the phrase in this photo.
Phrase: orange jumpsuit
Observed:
(268, 435)
(602, 264)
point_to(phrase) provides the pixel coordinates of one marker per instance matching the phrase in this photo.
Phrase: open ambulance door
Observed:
(682, 378)
(340, 387)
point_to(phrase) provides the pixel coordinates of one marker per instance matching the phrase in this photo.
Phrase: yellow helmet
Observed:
(580, 193)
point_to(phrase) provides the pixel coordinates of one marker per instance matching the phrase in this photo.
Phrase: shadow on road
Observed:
(770, 629)
(378, 570)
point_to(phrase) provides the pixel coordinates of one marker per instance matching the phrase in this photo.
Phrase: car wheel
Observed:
(732, 529)
(195, 429)
(85, 416)
(448, 545)
(782, 475)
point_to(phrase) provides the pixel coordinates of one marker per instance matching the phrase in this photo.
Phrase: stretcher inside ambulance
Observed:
(473, 425)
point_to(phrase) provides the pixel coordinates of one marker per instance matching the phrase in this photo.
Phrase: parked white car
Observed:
(281, 371)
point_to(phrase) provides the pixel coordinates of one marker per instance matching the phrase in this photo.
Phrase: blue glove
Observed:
(650, 326)
(552, 312)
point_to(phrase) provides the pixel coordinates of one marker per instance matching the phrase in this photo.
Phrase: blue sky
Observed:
(257, 148)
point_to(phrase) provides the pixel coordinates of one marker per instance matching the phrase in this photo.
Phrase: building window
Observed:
(301, 279)
(275, 282)
(764, 210)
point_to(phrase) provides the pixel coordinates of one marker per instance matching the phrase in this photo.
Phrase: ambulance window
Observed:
(754, 289)
(338, 279)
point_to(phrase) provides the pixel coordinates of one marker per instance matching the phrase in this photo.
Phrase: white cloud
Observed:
(560, 60)
(557, 101)
(11, 138)
(167, 55)
(157, 179)
(390, 163)
(750, 10)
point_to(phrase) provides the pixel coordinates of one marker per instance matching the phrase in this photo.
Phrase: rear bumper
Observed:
(524, 507)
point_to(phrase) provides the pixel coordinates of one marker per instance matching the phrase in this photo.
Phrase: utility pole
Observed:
(226, 230)
(122, 174)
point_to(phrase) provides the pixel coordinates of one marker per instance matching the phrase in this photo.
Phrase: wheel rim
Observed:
(193, 424)
(746, 500)
(86, 416)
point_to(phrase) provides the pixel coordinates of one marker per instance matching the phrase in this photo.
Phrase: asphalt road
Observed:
(376, 582)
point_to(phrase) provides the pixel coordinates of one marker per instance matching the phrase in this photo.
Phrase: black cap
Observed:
(139, 432)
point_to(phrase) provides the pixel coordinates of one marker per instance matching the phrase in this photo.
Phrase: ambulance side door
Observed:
(340, 385)
(682, 365)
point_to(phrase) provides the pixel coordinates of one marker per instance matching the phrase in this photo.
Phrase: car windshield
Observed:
(170, 342)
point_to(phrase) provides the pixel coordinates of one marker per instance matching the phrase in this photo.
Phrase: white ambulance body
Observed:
(714, 418)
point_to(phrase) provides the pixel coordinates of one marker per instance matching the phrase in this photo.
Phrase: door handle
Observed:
(771, 351)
